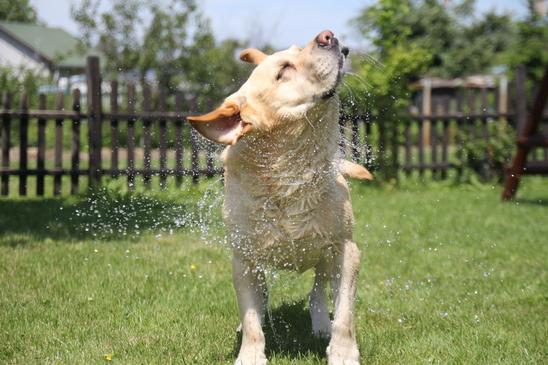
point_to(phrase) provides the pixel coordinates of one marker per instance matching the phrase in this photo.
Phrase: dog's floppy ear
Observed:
(252, 55)
(222, 125)
(353, 170)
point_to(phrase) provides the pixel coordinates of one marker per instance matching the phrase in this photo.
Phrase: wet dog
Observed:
(287, 204)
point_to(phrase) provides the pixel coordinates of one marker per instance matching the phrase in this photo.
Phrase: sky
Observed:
(281, 23)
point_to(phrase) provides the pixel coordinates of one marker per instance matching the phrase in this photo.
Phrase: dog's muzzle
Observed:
(326, 40)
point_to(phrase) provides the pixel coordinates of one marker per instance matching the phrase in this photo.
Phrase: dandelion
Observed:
(108, 357)
(193, 267)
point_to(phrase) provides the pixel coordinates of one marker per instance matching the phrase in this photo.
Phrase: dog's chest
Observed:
(285, 219)
(284, 204)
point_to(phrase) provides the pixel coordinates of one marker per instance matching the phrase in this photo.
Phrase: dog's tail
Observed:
(355, 171)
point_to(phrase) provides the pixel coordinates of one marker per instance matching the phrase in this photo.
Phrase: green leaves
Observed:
(529, 47)
(170, 42)
(17, 11)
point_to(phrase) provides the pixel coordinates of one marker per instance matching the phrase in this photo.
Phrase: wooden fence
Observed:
(90, 160)
(431, 137)
(157, 144)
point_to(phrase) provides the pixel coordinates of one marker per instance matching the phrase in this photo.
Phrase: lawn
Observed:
(449, 276)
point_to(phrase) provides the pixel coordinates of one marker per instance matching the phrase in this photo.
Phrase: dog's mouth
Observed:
(331, 91)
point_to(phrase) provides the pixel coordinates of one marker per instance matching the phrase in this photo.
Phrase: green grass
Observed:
(449, 276)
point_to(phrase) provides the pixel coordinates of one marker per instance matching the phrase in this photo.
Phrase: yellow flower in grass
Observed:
(108, 357)
(193, 267)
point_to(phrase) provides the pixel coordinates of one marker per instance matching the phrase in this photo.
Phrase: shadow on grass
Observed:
(288, 332)
(100, 215)
(541, 202)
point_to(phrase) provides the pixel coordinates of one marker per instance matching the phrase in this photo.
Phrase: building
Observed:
(47, 51)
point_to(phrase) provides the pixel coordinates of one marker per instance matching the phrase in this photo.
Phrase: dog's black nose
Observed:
(326, 39)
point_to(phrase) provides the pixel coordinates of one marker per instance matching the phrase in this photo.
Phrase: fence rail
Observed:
(156, 143)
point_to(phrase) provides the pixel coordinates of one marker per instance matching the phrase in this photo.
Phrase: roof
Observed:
(54, 44)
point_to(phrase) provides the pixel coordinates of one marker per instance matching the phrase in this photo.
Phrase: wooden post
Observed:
(75, 143)
(162, 106)
(503, 94)
(342, 130)
(472, 130)
(355, 134)
(434, 140)
(484, 123)
(23, 145)
(58, 153)
(445, 138)
(408, 145)
(94, 98)
(179, 140)
(194, 162)
(421, 148)
(6, 131)
(460, 133)
(367, 142)
(131, 137)
(114, 135)
(209, 148)
(426, 110)
(147, 122)
(41, 156)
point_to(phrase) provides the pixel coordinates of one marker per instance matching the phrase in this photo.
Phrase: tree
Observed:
(380, 83)
(411, 38)
(17, 11)
(479, 46)
(172, 44)
(459, 42)
(529, 45)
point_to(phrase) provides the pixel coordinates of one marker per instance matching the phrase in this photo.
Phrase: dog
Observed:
(287, 203)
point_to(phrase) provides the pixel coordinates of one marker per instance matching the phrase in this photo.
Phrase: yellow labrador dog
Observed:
(287, 204)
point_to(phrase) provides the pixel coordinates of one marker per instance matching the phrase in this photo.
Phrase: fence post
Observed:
(94, 119)
(75, 143)
(23, 143)
(503, 95)
(426, 111)
(6, 142)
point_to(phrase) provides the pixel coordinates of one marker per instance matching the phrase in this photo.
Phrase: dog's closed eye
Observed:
(286, 66)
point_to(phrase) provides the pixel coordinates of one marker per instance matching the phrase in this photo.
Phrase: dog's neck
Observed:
(296, 156)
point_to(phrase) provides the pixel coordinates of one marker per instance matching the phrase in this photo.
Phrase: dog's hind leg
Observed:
(319, 312)
(343, 349)
(250, 290)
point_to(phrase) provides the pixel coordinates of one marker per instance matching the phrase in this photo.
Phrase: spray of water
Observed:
(110, 214)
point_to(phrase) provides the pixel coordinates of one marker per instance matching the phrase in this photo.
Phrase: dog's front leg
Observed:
(343, 349)
(250, 290)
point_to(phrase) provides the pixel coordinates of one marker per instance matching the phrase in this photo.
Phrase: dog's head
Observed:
(282, 89)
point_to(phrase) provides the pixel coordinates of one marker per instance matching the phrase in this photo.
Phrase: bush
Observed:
(15, 80)
(487, 158)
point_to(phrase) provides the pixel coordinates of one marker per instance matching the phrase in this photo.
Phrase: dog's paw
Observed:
(251, 358)
(343, 354)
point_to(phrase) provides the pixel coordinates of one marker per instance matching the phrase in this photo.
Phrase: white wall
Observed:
(14, 57)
